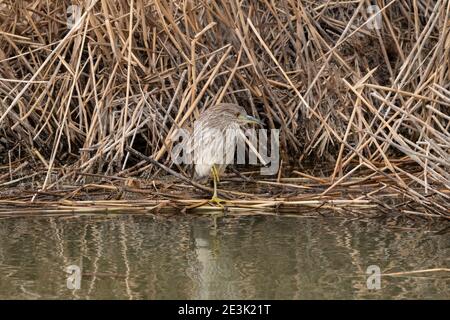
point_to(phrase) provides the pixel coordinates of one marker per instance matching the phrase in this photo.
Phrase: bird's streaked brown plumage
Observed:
(213, 139)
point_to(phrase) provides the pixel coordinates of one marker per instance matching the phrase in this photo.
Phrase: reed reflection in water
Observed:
(184, 257)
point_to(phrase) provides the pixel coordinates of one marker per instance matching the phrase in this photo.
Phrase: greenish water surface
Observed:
(197, 257)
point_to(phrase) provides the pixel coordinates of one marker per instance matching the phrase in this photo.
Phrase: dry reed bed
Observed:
(373, 103)
(300, 195)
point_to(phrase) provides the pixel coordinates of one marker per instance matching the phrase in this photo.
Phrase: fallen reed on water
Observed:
(366, 97)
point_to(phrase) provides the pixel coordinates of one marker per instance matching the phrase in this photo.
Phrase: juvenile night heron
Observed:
(213, 140)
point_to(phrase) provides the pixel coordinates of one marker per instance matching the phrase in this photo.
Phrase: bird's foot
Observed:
(217, 201)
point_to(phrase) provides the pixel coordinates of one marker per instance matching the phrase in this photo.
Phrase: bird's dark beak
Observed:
(250, 119)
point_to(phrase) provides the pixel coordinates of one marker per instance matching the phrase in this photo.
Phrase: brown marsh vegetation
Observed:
(362, 103)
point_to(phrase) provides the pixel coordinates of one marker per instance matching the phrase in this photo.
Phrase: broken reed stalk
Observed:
(367, 96)
(168, 170)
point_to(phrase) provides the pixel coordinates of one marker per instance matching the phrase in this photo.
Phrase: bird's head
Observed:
(247, 119)
(225, 114)
(241, 115)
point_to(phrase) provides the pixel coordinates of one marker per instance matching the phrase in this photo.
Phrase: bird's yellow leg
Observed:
(216, 173)
(215, 199)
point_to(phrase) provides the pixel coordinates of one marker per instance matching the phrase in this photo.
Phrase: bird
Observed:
(213, 140)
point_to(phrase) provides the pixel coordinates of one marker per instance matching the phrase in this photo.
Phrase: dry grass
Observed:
(372, 103)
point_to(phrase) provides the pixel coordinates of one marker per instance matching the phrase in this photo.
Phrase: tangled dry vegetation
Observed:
(367, 98)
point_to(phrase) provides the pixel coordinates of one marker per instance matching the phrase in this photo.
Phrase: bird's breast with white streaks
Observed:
(212, 146)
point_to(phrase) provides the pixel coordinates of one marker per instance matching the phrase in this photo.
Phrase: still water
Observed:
(185, 257)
